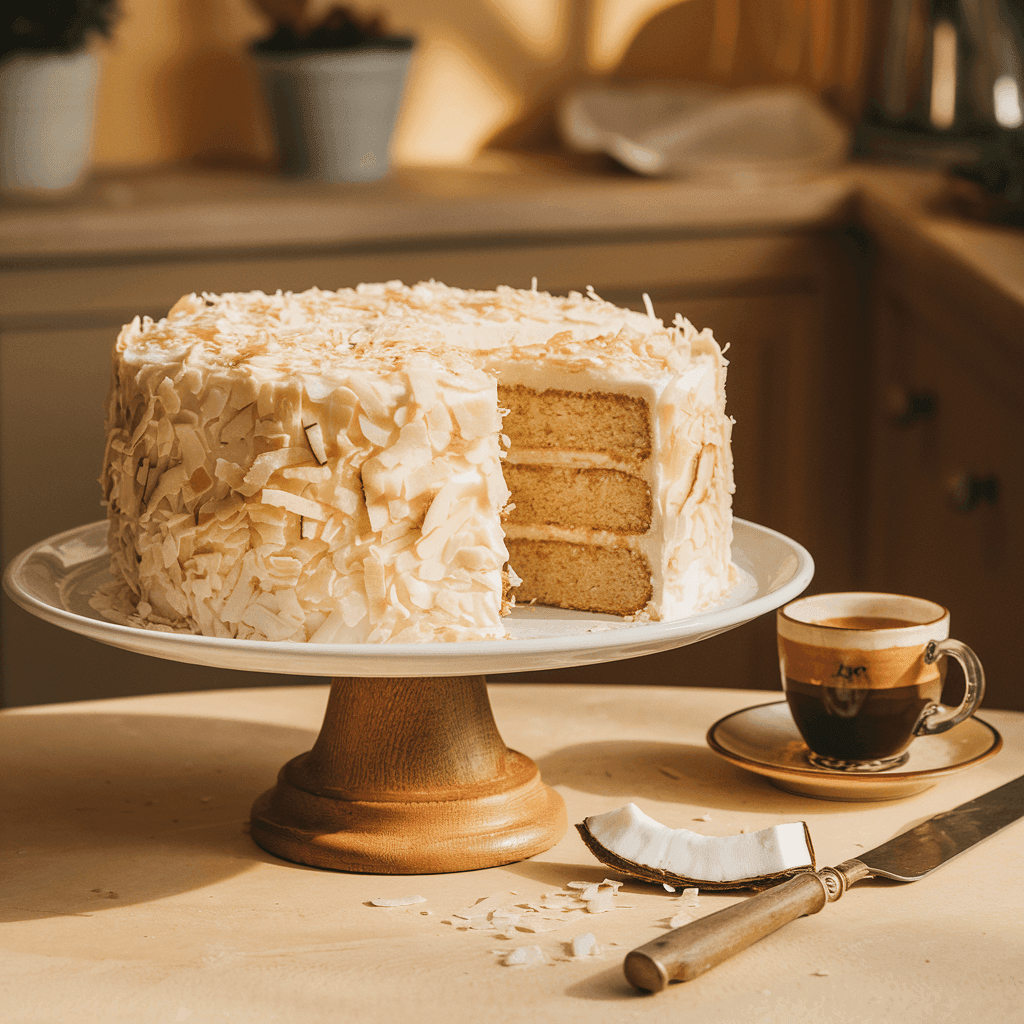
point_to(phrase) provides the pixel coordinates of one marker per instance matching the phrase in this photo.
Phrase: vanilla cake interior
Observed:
(575, 471)
(380, 463)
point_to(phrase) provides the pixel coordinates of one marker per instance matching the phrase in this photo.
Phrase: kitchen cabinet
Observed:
(775, 297)
(874, 344)
(792, 386)
(947, 485)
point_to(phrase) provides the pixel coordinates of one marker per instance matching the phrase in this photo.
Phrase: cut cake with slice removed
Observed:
(620, 468)
(327, 466)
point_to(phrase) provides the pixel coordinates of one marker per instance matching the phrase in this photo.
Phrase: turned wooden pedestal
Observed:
(408, 776)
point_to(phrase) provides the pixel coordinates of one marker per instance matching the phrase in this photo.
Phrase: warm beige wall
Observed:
(178, 85)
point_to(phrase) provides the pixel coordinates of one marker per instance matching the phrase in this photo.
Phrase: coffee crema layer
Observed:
(865, 669)
(865, 622)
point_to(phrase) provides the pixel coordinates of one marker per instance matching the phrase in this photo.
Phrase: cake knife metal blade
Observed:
(687, 952)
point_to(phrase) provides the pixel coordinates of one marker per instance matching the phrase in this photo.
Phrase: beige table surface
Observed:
(131, 891)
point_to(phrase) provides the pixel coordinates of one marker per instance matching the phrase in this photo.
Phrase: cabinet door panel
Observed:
(929, 536)
(52, 388)
(51, 430)
(765, 338)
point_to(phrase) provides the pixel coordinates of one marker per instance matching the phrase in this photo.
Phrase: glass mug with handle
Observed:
(863, 676)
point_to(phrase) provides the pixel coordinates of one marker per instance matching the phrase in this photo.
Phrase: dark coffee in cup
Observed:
(855, 724)
(859, 723)
(863, 676)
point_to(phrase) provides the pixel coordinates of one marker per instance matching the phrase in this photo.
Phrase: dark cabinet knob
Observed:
(909, 407)
(967, 491)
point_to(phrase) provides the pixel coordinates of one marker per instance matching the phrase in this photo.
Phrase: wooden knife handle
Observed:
(685, 953)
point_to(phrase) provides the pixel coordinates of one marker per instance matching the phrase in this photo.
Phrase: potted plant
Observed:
(47, 91)
(334, 85)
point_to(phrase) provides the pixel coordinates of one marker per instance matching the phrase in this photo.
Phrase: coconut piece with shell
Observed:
(634, 843)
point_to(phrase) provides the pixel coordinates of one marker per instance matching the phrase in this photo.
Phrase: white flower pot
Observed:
(334, 111)
(47, 105)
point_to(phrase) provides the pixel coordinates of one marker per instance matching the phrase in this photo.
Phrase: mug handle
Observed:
(939, 718)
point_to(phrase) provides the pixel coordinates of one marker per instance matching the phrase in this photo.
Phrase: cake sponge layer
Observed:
(591, 578)
(614, 424)
(598, 499)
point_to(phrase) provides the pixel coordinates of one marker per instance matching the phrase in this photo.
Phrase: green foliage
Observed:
(53, 25)
(343, 28)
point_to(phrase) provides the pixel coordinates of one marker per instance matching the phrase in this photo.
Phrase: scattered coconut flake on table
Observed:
(584, 945)
(524, 956)
(601, 903)
(636, 844)
(552, 911)
(397, 901)
(541, 923)
(483, 906)
(683, 916)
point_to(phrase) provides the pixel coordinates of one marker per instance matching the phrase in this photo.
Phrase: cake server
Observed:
(687, 952)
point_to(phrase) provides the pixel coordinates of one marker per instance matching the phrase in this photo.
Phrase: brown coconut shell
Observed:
(661, 877)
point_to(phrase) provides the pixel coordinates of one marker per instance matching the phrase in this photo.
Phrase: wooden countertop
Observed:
(498, 200)
(951, 267)
(500, 196)
(132, 892)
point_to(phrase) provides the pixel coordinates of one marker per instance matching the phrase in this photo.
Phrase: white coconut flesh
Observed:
(634, 842)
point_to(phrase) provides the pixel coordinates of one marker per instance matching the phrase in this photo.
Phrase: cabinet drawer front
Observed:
(118, 291)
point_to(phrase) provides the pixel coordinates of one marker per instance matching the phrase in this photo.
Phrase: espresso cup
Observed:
(863, 675)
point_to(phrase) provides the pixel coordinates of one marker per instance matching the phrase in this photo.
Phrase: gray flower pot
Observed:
(47, 105)
(334, 111)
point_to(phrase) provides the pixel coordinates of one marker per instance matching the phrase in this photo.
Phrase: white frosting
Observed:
(326, 466)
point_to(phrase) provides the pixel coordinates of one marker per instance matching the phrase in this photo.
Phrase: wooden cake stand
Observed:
(409, 774)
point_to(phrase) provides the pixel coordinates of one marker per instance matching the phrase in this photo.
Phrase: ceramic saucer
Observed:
(765, 740)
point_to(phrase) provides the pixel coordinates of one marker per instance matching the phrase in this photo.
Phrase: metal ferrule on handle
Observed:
(687, 952)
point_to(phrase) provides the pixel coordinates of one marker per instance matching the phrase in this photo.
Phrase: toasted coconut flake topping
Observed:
(344, 448)
(315, 437)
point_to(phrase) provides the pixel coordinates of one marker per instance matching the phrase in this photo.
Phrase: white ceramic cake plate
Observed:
(409, 774)
(56, 578)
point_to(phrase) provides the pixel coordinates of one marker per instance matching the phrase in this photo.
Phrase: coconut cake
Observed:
(382, 463)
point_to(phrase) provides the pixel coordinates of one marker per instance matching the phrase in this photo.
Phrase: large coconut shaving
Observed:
(634, 843)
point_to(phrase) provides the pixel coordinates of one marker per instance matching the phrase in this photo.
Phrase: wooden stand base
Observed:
(408, 776)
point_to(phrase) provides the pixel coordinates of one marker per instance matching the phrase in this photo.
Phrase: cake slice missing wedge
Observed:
(621, 478)
(337, 466)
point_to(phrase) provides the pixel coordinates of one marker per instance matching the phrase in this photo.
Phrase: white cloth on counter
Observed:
(742, 136)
